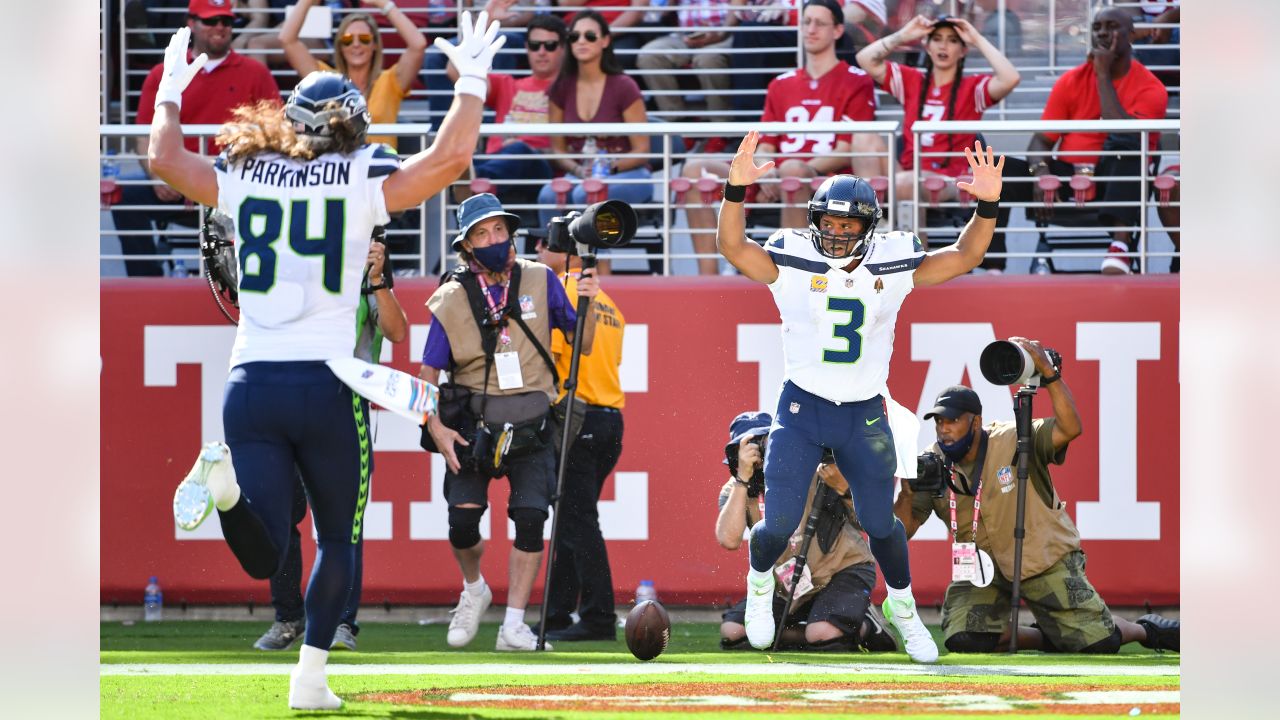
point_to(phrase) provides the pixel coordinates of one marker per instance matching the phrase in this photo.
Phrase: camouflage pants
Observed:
(1068, 610)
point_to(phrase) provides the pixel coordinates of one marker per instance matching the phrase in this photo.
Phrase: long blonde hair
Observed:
(262, 127)
(340, 61)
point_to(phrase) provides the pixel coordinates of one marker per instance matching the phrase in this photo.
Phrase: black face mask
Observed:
(955, 451)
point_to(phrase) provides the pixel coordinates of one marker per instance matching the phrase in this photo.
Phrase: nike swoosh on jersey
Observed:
(872, 422)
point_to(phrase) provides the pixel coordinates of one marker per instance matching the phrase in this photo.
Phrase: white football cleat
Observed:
(517, 638)
(211, 482)
(915, 636)
(466, 617)
(311, 691)
(759, 613)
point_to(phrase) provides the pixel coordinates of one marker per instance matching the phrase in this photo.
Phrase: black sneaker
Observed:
(578, 631)
(1162, 633)
(878, 639)
(281, 635)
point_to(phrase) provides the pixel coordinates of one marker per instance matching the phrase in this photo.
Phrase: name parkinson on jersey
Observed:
(279, 174)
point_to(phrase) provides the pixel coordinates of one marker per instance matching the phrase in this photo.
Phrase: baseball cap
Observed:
(837, 12)
(481, 207)
(954, 402)
(210, 8)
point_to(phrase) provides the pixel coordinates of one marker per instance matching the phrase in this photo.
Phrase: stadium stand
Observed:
(1045, 39)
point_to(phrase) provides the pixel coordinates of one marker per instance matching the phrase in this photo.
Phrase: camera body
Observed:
(608, 224)
(932, 473)
(755, 485)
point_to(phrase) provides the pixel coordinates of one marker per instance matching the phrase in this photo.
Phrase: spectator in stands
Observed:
(592, 88)
(226, 81)
(524, 101)
(1110, 85)
(989, 21)
(824, 90)
(941, 92)
(256, 35)
(972, 491)
(831, 609)
(442, 19)
(357, 56)
(672, 51)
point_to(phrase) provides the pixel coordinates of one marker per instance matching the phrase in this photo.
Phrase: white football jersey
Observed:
(837, 326)
(302, 240)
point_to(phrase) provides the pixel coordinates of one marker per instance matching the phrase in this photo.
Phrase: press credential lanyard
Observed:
(510, 376)
(966, 563)
(495, 308)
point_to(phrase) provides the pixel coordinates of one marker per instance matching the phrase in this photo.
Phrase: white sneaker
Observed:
(466, 617)
(311, 692)
(211, 479)
(517, 638)
(915, 636)
(759, 613)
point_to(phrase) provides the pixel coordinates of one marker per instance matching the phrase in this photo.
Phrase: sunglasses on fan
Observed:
(548, 45)
(350, 38)
(590, 36)
(223, 20)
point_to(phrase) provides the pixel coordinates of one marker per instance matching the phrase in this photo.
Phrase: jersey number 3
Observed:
(259, 224)
(847, 331)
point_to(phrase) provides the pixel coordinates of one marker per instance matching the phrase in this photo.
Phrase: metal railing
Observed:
(992, 131)
(429, 236)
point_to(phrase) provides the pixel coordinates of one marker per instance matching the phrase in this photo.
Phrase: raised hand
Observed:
(744, 170)
(473, 55)
(178, 73)
(967, 32)
(916, 28)
(986, 173)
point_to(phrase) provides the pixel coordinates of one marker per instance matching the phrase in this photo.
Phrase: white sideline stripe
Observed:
(771, 669)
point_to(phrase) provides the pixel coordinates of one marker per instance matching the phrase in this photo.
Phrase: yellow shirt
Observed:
(598, 380)
(383, 100)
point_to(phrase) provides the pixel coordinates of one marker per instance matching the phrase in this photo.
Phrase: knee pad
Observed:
(464, 526)
(529, 524)
(972, 642)
(1109, 645)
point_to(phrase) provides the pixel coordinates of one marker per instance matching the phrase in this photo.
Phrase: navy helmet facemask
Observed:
(847, 196)
(322, 96)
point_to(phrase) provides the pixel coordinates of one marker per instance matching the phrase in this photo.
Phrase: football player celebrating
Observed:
(305, 189)
(838, 289)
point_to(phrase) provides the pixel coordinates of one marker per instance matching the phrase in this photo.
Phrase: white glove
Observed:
(473, 55)
(177, 73)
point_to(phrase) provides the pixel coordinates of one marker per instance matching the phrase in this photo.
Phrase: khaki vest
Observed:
(1050, 534)
(850, 548)
(450, 307)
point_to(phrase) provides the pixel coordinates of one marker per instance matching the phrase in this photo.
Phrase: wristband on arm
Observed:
(735, 193)
(988, 208)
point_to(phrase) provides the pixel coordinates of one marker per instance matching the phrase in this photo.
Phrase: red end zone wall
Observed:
(699, 350)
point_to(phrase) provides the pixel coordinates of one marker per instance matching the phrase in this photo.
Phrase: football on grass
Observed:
(648, 630)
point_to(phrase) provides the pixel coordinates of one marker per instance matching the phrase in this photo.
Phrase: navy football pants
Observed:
(282, 415)
(858, 433)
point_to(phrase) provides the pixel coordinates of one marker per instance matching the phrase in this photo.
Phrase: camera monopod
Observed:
(1022, 414)
(588, 256)
(802, 557)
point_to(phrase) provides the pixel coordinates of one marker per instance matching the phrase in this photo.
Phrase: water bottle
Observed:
(654, 15)
(600, 165)
(645, 591)
(111, 192)
(152, 602)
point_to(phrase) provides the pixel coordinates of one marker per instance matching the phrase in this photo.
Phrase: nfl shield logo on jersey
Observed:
(1005, 476)
(795, 408)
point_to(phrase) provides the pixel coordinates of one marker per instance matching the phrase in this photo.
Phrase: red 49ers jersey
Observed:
(972, 99)
(843, 93)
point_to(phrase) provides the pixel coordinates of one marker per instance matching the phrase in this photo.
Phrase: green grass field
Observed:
(209, 670)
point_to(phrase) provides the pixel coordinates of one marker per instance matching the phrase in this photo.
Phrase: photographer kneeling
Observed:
(971, 462)
(492, 322)
(831, 610)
